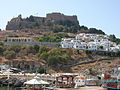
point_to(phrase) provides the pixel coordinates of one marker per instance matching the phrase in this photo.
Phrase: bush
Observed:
(34, 49)
(15, 48)
(9, 54)
(118, 53)
(87, 51)
(1, 44)
(53, 60)
(55, 56)
(43, 55)
(23, 52)
(1, 50)
(43, 70)
(43, 49)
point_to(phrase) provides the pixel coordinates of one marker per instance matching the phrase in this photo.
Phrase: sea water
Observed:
(9, 88)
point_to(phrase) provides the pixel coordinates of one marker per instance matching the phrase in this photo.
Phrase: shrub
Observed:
(15, 48)
(53, 60)
(1, 50)
(43, 55)
(87, 51)
(34, 49)
(9, 54)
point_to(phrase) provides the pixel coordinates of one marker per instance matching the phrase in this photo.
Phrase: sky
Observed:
(100, 14)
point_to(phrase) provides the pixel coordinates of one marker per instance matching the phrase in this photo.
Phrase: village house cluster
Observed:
(84, 41)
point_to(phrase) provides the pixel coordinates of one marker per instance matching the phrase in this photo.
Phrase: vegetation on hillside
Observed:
(103, 53)
(54, 56)
(53, 38)
(114, 39)
(84, 29)
(68, 29)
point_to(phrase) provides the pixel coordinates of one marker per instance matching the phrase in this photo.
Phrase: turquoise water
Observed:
(9, 88)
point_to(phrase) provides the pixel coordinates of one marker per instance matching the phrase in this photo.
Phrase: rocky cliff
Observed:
(33, 21)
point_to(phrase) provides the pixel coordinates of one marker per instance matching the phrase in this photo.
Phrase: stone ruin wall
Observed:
(19, 22)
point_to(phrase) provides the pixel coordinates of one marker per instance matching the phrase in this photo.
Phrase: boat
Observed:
(111, 82)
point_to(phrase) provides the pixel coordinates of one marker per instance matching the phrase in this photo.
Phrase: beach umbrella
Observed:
(36, 81)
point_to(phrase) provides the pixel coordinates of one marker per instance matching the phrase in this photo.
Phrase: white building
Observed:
(84, 41)
(79, 81)
(66, 44)
(82, 36)
(115, 48)
(67, 39)
(80, 45)
(92, 46)
(19, 39)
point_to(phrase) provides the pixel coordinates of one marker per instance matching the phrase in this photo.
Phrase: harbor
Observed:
(57, 81)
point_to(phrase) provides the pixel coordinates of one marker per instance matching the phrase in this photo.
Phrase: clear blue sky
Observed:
(101, 14)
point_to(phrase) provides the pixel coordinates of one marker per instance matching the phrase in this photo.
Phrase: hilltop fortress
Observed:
(50, 19)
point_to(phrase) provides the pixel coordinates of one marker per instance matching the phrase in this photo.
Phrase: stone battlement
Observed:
(32, 21)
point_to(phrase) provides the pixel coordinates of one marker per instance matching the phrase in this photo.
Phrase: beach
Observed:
(83, 88)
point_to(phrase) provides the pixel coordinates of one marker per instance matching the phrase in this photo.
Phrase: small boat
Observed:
(111, 82)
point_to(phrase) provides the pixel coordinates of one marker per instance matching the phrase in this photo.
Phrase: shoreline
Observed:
(83, 88)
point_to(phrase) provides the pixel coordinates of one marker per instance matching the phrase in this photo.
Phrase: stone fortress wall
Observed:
(20, 23)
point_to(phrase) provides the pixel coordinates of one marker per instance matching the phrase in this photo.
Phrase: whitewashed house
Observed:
(80, 45)
(107, 45)
(84, 41)
(75, 41)
(79, 81)
(82, 36)
(92, 46)
(65, 44)
(118, 46)
(93, 37)
(67, 39)
(79, 36)
(114, 49)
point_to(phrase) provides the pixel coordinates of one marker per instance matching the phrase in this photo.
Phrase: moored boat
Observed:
(111, 82)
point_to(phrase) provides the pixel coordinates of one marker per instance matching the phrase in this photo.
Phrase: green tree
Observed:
(118, 53)
(1, 44)
(87, 51)
(34, 49)
(100, 47)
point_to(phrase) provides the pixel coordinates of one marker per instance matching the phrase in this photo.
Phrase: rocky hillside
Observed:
(46, 59)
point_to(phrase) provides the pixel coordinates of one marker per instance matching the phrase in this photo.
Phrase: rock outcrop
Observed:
(33, 21)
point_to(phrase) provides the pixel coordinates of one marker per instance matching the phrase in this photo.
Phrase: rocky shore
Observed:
(11, 82)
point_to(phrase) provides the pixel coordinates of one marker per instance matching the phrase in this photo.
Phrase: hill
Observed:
(50, 19)
(46, 59)
(55, 22)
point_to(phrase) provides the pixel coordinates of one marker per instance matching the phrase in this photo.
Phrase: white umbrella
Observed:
(36, 81)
